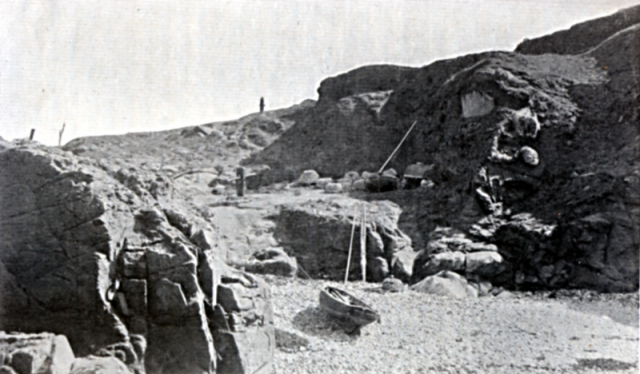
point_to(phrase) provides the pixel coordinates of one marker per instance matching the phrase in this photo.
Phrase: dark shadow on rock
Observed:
(314, 321)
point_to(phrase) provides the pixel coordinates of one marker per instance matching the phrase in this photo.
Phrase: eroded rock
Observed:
(107, 258)
(36, 353)
(318, 234)
(272, 261)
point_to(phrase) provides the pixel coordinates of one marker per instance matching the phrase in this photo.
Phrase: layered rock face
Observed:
(105, 257)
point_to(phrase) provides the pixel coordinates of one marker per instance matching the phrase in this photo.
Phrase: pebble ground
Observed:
(419, 333)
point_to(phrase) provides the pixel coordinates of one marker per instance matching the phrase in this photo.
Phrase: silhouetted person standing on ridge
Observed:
(261, 104)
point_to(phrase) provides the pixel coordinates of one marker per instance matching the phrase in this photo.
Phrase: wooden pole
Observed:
(33, 132)
(353, 232)
(363, 243)
(397, 148)
(60, 134)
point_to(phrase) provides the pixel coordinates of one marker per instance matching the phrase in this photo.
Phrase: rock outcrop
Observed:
(105, 257)
(507, 133)
(318, 235)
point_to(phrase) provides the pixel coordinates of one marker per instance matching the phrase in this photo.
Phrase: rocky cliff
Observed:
(117, 262)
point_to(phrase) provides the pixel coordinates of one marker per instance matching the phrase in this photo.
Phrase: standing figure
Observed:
(261, 104)
(240, 181)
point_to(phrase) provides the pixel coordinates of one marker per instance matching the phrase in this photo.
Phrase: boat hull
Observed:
(351, 312)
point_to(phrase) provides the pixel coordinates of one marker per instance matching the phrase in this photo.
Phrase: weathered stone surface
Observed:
(99, 365)
(475, 104)
(529, 156)
(180, 348)
(483, 287)
(446, 283)
(453, 261)
(272, 261)
(358, 185)
(379, 269)
(318, 234)
(446, 239)
(98, 254)
(392, 284)
(36, 353)
(484, 264)
(132, 264)
(242, 324)
(333, 188)
(308, 178)
(210, 270)
(323, 182)
(179, 339)
(346, 183)
(580, 254)
(402, 264)
(61, 223)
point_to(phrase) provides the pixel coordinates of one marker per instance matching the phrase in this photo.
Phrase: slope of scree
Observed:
(219, 145)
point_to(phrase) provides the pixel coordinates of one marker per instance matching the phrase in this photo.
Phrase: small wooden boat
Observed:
(350, 312)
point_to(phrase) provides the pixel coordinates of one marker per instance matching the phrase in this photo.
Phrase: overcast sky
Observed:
(111, 67)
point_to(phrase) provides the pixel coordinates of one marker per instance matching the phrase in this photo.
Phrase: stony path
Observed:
(427, 334)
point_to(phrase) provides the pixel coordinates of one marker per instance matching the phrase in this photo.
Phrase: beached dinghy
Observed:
(350, 312)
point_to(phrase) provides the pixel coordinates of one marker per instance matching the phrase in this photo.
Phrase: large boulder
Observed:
(63, 220)
(36, 353)
(446, 283)
(484, 264)
(318, 235)
(402, 264)
(272, 261)
(308, 178)
(450, 261)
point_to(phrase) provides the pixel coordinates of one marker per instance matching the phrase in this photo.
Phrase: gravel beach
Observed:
(564, 332)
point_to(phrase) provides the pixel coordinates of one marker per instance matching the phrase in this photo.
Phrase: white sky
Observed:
(110, 67)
